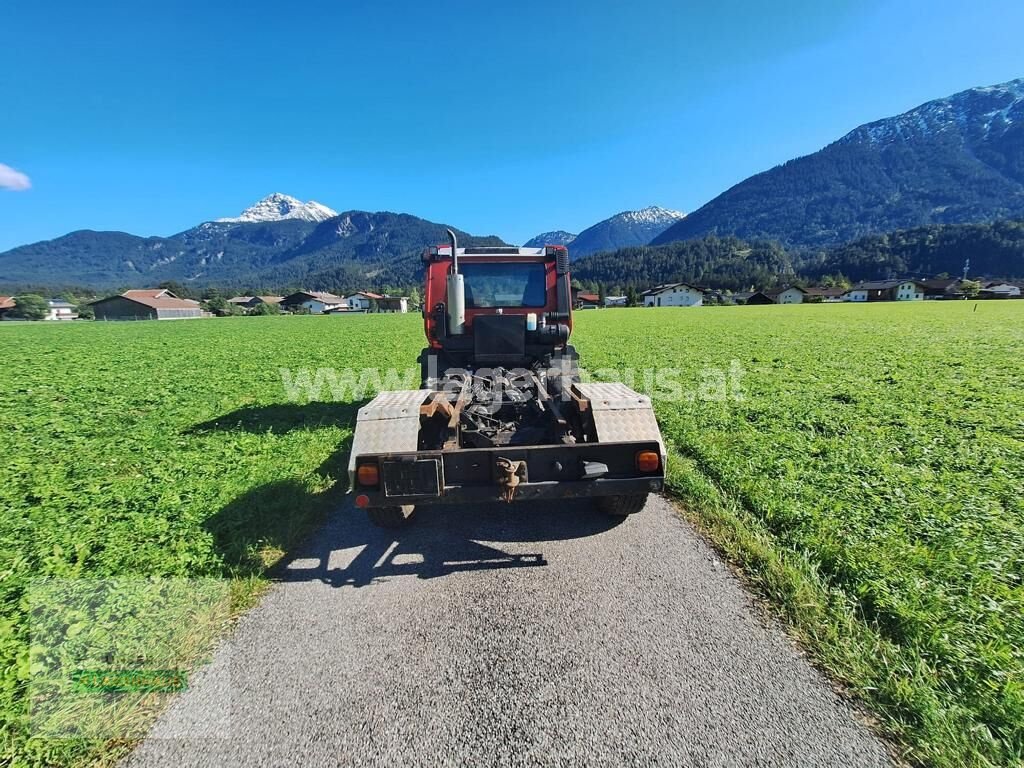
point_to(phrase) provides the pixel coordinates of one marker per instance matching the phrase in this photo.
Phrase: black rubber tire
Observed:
(620, 506)
(391, 517)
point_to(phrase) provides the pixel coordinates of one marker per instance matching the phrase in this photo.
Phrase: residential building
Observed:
(363, 301)
(587, 300)
(673, 295)
(151, 304)
(6, 305)
(316, 302)
(789, 294)
(61, 310)
(887, 290)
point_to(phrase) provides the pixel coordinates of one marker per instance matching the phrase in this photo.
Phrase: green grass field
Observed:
(869, 481)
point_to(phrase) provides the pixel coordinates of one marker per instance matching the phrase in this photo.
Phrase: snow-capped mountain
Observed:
(557, 237)
(984, 113)
(278, 207)
(624, 229)
(652, 215)
(954, 160)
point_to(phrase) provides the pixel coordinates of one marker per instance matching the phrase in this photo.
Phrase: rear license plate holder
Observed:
(421, 477)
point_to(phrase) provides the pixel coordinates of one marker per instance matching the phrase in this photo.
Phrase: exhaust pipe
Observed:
(456, 292)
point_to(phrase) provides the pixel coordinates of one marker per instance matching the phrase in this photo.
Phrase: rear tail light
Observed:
(368, 475)
(648, 461)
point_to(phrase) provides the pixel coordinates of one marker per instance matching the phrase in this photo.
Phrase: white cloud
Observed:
(12, 179)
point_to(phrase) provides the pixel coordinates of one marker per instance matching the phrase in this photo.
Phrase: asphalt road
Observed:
(530, 635)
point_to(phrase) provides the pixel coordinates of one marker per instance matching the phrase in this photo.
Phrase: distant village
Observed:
(905, 289)
(164, 304)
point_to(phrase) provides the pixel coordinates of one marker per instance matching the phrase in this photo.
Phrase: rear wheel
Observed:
(390, 517)
(620, 506)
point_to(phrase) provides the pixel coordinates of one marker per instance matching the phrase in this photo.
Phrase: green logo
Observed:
(129, 680)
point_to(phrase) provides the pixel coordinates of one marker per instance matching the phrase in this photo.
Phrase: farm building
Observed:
(752, 297)
(789, 294)
(615, 301)
(1000, 290)
(60, 310)
(826, 295)
(587, 300)
(152, 304)
(673, 295)
(887, 290)
(393, 304)
(317, 302)
(942, 288)
(6, 304)
(250, 302)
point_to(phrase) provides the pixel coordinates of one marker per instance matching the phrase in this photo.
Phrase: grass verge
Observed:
(924, 725)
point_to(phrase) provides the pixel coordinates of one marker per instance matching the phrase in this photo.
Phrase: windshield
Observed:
(504, 285)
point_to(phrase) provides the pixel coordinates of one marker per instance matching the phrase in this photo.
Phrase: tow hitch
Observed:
(510, 474)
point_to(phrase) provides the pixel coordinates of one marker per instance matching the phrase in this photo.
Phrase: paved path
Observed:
(534, 635)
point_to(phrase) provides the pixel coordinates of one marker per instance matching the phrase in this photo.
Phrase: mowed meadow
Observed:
(864, 465)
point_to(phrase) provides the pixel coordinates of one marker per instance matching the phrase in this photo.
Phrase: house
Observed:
(999, 290)
(887, 290)
(362, 300)
(6, 305)
(615, 301)
(152, 304)
(825, 295)
(587, 300)
(316, 302)
(942, 288)
(789, 294)
(60, 310)
(673, 295)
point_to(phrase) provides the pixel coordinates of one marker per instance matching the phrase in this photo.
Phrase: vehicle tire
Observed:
(390, 517)
(620, 506)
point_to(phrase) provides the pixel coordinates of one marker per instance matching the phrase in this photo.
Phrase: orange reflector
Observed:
(368, 475)
(362, 501)
(648, 461)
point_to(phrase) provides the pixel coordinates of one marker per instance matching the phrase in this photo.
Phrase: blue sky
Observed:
(500, 118)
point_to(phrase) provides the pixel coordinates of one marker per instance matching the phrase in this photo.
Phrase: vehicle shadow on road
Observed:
(324, 537)
(350, 551)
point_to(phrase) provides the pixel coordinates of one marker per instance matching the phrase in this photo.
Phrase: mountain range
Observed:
(296, 247)
(279, 242)
(953, 160)
(956, 160)
(622, 230)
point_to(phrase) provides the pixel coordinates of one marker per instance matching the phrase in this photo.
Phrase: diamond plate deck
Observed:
(393, 405)
(388, 423)
(612, 396)
(620, 414)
